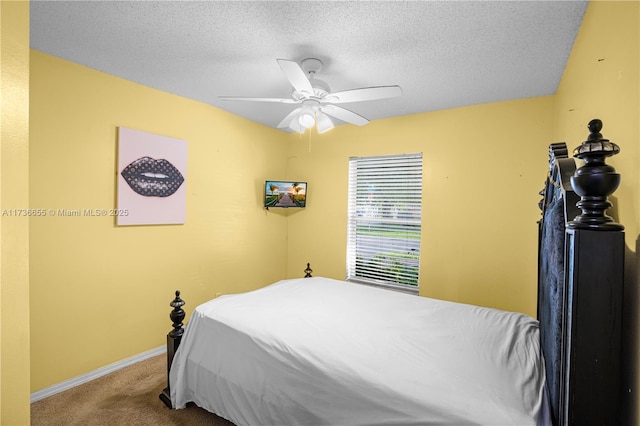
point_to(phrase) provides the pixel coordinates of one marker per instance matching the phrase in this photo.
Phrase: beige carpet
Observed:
(126, 397)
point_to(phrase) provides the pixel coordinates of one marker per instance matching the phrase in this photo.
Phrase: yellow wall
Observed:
(481, 178)
(601, 80)
(14, 231)
(100, 292)
(109, 286)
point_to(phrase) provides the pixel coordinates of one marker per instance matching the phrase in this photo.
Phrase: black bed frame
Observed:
(580, 286)
(174, 337)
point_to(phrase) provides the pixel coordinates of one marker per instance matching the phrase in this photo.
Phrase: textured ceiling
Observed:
(444, 54)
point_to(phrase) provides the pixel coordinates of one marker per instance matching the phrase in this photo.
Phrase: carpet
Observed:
(128, 396)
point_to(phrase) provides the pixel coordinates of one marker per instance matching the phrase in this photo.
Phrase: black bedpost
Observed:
(595, 286)
(173, 341)
(308, 271)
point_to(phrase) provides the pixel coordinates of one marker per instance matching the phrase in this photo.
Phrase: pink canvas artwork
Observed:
(152, 173)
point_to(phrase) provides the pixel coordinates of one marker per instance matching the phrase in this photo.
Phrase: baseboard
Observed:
(92, 375)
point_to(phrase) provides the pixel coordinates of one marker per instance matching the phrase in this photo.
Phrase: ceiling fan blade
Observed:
(296, 76)
(324, 123)
(344, 115)
(364, 94)
(239, 98)
(291, 117)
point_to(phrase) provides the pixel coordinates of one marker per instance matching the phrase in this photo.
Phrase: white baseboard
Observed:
(92, 375)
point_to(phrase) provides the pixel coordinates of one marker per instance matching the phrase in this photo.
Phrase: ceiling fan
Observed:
(316, 100)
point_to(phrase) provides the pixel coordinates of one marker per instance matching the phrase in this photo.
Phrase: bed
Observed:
(319, 351)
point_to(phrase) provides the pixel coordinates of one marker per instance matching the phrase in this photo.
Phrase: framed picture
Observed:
(152, 174)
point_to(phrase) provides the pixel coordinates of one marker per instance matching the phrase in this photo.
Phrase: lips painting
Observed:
(152, 178)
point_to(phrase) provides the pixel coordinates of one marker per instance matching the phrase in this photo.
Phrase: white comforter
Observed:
(317, 351)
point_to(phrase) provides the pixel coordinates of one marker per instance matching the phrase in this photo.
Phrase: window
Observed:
(385, 212)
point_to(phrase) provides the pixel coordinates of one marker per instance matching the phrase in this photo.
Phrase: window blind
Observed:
(384, 219)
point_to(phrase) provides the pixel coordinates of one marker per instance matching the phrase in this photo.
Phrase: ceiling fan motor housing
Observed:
(311, 65)
(320, 90)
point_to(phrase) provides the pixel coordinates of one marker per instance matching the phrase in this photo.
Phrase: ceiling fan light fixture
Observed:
(324, 123)
(307, 119)
(296, 127)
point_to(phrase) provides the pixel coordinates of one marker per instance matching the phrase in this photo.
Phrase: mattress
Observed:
(318, 351)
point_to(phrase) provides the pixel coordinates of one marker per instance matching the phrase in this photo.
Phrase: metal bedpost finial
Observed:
(595, 181)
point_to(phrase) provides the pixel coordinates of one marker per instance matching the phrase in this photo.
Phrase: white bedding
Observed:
(317, 351)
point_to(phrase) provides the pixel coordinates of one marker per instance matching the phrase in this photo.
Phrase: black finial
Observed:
(177, 315)
(595, 126)
(308, 271)
(595, 181)
(596, 148)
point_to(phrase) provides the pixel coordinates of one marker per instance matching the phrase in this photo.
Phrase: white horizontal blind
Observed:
(384, 219)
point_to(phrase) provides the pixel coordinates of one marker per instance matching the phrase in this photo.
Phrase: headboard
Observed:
(580, 283)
